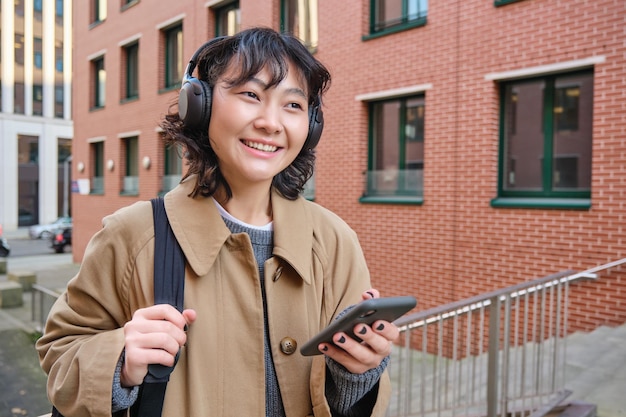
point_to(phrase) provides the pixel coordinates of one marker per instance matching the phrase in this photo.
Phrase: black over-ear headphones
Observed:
(195, 98)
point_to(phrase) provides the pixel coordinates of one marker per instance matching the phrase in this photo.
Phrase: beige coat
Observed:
(317, 270)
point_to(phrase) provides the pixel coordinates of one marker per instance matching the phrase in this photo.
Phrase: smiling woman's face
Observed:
(256, 131)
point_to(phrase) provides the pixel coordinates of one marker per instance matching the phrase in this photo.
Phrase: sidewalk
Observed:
(22, 382)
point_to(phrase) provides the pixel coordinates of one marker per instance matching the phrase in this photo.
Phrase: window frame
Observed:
(131, 75)
(172, 167)
(126, 4)
(400, 196)
(224, 10)
(498, 3)
(98, 86)
(130, 180)
(405, 23)
(547, 198)
(311, 41)
(174, 30)
(96, 186)
(37, 99)
(98, 12)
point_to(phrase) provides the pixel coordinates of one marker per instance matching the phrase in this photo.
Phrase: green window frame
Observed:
(546, 126)
(130, 184)
(227, 19)
(389, 16)
(300, 17)
(173, 39)
(396, 150)
(131, 71)
(498, 3)
(173, 168)
(97, 172)
(98, 74)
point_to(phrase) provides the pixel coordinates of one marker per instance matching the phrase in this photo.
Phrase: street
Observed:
(30, 247)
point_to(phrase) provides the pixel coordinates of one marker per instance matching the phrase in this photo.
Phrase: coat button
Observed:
(288, 345)
(278, 273)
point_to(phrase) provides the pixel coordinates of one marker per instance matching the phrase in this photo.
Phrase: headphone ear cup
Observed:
(194, 104)
(316, 125)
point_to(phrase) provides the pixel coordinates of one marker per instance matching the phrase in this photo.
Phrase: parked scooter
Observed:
(5, 249)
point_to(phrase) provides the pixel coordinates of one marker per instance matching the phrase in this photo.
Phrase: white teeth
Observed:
(260, 146)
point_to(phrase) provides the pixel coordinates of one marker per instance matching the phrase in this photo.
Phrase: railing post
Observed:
(493, 357)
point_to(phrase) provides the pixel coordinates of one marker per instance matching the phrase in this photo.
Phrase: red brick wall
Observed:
(455, 244)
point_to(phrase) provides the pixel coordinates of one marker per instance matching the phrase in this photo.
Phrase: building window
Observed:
(396, 151)
(58, 56)
(19, 90)
(59, 8)
(97, 171)
(308, 191)
(300, 18)
(28, 175)
(131, 71)
(503, 2)
(227, 19)
(130, 183)
(38, 53)
(173, 38)
(64, 152)
(546, 126)
(128, 3)
(98, 11)
(58, 80)
(173, 168)
(392, 15)
(37, 100)
(58, 101)
(98, 84)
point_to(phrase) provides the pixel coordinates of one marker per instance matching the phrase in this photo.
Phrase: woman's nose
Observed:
(269, 120)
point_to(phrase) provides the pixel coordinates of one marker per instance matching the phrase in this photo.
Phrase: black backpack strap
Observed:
(169, 288)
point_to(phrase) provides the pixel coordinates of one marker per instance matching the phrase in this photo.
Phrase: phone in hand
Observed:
(367, 312)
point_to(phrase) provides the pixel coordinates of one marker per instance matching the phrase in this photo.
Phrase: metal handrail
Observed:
(496, 353)
(41, 291)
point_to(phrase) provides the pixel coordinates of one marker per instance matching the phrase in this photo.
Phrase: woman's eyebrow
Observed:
(291, 90)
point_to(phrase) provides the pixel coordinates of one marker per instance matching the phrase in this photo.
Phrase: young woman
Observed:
(265, 269)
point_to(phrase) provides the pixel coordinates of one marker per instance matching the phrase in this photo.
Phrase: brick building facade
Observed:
(460, 223)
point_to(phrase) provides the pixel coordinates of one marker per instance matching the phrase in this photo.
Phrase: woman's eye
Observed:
(295, 106)
(250, 94)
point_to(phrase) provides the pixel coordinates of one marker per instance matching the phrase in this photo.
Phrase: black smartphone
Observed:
(367, 311)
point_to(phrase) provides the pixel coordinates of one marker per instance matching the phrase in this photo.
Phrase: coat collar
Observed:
(201, 232)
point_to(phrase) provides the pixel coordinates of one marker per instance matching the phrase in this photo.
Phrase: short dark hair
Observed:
(255, 49)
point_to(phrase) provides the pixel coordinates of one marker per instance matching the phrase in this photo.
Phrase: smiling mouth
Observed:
(260, 146)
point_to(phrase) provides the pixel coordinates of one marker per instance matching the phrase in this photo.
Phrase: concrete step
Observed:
(596, 369)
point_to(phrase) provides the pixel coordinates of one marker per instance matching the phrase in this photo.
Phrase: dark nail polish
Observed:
(185, 328)
(342, 339)
(363, 330)
(324, 348)
(380, 326)
(370, 293)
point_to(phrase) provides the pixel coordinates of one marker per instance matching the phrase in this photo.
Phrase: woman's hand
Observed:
(154, 335)
(375, 346)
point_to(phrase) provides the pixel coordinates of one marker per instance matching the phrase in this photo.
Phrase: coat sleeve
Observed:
(346, 276)
(84, 337)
